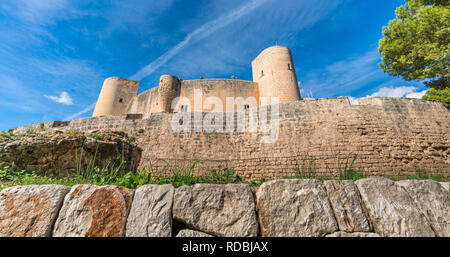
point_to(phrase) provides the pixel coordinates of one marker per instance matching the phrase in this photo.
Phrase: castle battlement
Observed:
(273, 76)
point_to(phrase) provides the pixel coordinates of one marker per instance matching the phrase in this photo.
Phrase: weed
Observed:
(257, 183)
(30, 131)
(345, 168)
(422, 174)
(5, 134)
(96, 136)
(74, 132)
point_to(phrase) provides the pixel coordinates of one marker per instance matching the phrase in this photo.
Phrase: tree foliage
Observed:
(416, 45)
(442, 95)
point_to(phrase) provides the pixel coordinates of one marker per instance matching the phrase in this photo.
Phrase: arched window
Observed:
(289, 66)
(262, 73)
(121, 100)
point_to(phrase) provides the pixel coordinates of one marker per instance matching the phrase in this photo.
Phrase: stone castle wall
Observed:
(389, 135)
(220, 88)
(145, 103)
(153, 100)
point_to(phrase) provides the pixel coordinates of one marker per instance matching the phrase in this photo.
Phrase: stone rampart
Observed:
(388, 136)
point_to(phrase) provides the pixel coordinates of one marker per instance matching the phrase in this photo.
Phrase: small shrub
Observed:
(257, 183)
(74, 132)
(30, 131)
(96, 136)
(132, 139)
(140, 131)
(5, 133)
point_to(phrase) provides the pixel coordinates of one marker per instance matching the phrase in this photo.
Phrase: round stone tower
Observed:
(274, 72)
(115, 95)
(169, 89)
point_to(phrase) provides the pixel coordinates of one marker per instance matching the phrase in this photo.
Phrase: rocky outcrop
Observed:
(220, 210)
(94, 211)
(347, 206)
(433, 200)
(294, 208)
(30, 211)
(151, 212)
(355, 234)
(192, 233)
(61, 153)
(391, 210)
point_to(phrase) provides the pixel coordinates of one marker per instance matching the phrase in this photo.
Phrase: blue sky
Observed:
(55, 54)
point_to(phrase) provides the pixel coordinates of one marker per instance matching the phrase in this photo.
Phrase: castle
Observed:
(273, 76)
(389, 136)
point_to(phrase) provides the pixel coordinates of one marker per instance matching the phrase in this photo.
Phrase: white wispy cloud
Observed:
(403, 91)
(344, 76)
(63, 98)
(78, 114)
(201, 32)
(229, 50)
(41, 12)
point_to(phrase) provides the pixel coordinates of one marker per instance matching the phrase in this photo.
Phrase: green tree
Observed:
(442, 95)
(416, 45)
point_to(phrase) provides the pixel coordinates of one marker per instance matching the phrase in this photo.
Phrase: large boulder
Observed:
(30, 211)
(94, 211)
(151, 212)
(347, 206)
(294, 208)
(220, 210)
(433, 200)
(391, 210)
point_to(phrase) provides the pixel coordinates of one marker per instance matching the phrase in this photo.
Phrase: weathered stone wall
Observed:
(366, 208)
(159, 99)
(220, 88)
(144, 103)
(389, 135)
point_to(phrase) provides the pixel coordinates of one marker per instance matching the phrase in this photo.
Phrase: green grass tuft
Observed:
(74, 132)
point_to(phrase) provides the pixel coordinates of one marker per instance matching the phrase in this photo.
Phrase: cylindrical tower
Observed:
(169, 89)
(274, 72)
(115, 95)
